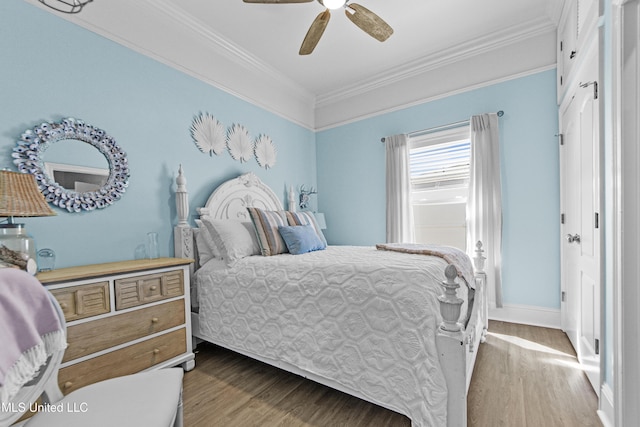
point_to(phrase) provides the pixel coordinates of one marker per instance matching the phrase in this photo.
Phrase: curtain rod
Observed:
(443, 127)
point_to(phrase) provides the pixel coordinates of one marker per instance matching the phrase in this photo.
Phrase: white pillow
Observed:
(207, 249)
(234, 239)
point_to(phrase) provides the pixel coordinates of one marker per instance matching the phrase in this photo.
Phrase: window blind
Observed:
(440, 165)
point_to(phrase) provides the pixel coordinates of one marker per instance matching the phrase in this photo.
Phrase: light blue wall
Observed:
(351, 178)
(62, 70)
(52, 69)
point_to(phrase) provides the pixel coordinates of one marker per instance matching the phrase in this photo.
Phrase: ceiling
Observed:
(230, 43)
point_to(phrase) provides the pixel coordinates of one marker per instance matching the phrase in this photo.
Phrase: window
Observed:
(439, 168)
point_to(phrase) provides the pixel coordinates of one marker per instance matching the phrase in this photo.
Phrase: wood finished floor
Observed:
(524, 376)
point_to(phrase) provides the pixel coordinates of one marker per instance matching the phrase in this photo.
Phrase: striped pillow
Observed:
(266, 224)
(304, 218)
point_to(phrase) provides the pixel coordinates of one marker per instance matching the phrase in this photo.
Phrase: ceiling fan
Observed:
(368, 21)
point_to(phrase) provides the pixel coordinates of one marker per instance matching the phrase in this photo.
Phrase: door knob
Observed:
(573, 238)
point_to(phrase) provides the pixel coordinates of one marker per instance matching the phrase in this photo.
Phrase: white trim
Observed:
(444, 95)
(449, 133)
(527, 315)
(554, 10)
(615, 209)
(292, 102)
(51, 168)
(229, 49)
(247, 77)
(463, 51)
(626, 211)
(606, 411)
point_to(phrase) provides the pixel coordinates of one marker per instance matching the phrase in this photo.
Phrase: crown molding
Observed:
(424, 100)
(294, 102)
(296, 105)
(230, 50)
(439, 59)
(554, 10)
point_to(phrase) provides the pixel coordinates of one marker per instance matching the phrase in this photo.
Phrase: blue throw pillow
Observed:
(301, 239)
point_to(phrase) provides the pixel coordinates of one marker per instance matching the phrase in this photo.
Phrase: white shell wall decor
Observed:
(208, 134)
(27, 156)
(265, 151)
(239, 143)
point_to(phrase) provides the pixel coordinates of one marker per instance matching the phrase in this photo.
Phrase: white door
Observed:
(581, 228)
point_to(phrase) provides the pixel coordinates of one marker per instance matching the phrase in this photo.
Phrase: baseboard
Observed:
(527, 315)
(606, 411)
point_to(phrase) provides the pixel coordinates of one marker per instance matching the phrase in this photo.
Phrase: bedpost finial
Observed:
(450, 272)
(291, 202)
(182, 199)
(450, 304)
(181, 180)
(479, 259)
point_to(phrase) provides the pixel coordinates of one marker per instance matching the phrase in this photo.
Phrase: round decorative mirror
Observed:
(72, 175)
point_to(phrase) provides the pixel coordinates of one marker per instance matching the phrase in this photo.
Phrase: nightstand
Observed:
(122, 318)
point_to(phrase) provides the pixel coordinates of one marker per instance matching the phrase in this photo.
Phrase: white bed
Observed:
(375, 324)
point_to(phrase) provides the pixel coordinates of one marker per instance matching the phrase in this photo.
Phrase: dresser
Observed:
(122, 318)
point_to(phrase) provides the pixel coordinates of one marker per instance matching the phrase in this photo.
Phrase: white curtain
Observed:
(484, 205)
(399, 210)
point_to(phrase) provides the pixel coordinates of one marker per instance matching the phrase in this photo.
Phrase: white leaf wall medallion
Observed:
(208, 134)
(212, 137)
(265, 152)
(239, 143)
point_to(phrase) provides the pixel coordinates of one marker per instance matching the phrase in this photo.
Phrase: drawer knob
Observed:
(63, 305)
(154, 320)
(156, 351)
(153, 287)
(68, 384)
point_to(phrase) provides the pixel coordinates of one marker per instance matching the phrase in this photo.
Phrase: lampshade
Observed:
(322, 223)
(20, 196)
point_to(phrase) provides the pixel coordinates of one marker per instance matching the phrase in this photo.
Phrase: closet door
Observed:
(581, 228)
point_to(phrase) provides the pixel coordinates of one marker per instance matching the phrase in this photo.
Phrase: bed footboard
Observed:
(458, 344)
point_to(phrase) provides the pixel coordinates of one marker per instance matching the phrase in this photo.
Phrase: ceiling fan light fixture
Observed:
(362, 17)
(66, 6)
(334, 4)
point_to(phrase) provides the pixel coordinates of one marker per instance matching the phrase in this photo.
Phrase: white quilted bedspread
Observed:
(359, 317)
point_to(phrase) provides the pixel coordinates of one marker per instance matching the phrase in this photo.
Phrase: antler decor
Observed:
(304, 196)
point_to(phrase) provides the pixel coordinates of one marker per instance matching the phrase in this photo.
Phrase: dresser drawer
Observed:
(91, 337)
(78, 302)
(121, 362)
(138, 290)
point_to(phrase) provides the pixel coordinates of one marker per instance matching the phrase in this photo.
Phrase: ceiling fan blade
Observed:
(277, 1)
(315, 32)
(368, 21)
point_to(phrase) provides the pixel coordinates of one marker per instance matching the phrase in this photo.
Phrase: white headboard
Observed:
(232, 198)
(229, 201)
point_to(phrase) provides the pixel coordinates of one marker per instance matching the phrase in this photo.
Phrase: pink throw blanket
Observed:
(453, 256)
(30, 330)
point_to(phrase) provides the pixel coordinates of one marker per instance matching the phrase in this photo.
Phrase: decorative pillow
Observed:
(206, 247)
(234, 239)
(301, 239)
(266, 224)
(304, 218)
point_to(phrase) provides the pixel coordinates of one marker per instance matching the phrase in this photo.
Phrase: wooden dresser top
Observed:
(107, 269)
